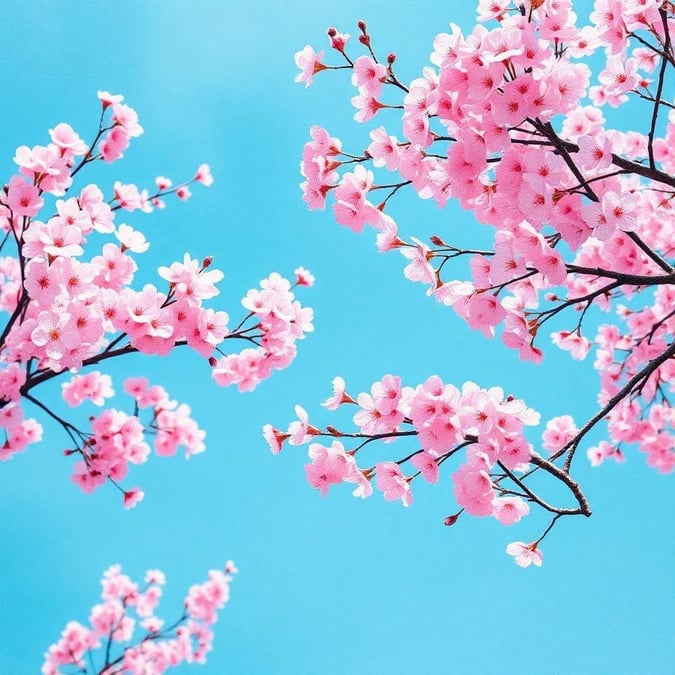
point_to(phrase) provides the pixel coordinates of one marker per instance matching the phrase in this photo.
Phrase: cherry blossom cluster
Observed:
(278, 321)
(125, 635)
(508, 121)
(440, 420)
(68, 291)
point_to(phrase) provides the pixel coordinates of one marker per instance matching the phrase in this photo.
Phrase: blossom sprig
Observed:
(68, 292)
(126, 635)
(481, 429)
(117, 439)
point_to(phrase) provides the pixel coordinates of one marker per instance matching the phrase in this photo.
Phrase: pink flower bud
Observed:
(452, 519)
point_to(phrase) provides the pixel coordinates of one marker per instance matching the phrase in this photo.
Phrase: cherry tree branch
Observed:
(572, 445)
(659, 91)
(583, 504)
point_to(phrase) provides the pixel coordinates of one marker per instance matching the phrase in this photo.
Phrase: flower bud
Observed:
(451, 520)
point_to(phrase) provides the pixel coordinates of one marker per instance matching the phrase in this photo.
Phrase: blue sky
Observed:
(327, 586)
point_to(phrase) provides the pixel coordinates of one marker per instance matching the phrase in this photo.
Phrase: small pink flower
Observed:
(303, 277)
(183, 193)
(509, 510)
(427, 464)
(108, 99)
(67, 140)
(301, 430)
(339, 396)
(525, 554)
(155, 577)
(132, 497)
(131, 240)
(575, 343)
(274, 438)
(203, 175)
(368, 76)
(24, 199)
(393, 483)
(163, 183)
(309, 63)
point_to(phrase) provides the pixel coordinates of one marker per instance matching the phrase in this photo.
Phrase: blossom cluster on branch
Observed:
(111, 645)
(507, 121)
(66, 287)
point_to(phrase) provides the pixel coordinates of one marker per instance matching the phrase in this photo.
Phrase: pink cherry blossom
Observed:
(525, 554)
(368, 76)
(393, 483)
(309, 63)
(509, 510)
(203, 175)
(339, 396)
(132, 497)
(22, 198)
(329, 466)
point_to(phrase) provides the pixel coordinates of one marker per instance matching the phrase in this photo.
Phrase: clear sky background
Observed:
(330, 586)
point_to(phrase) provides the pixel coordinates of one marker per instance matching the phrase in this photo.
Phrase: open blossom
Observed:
(367, 107)
(393, 483)
(131, 240)
(339, 396)
(112, 147)
(559, 431)
(419, 268)
(427, 465)
(54, 333)
(183, 192)
(127, 118)
(203, 175)
(191, 279)
(94, 386)
(301, 431)
(23, 198)
(509, 510)
(303, 277)
(368, 76)
(575, 343)
(329, 466)
(525, 554)
(274, 438)
(604, 450)
(107, 99)
(145, 395)
(309, 63)
(132, 497)
(67, 140)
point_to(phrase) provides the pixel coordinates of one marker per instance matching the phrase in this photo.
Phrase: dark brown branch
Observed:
(572, 445)
(563, 475)
(650, 252)
(633, 279)
(659, 90)
(538, 500)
